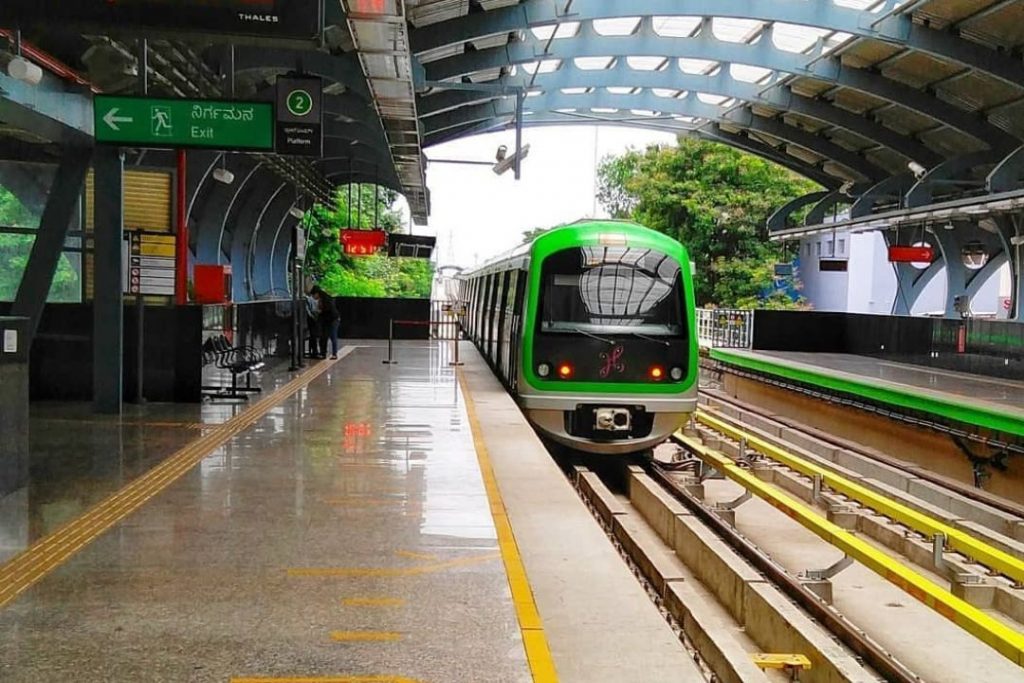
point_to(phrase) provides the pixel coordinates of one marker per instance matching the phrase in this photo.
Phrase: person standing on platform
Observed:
(329, 322)
(313, 325)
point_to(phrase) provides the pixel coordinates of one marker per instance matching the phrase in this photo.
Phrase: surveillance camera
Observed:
(24, 71)
(296, 212)
(917, 169)
(223, 175)
(510, 161)
(847, 188)
(501, 154)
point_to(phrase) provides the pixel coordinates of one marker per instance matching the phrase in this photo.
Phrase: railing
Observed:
(725, 328)
(446, 320)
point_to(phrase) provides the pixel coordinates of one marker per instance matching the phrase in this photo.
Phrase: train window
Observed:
(604, 288)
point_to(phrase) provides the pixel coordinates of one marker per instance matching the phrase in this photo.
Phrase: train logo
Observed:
(613, 362)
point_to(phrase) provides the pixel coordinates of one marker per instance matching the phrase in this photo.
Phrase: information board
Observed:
(291, 19)
(151, 264)
(362, 242)
(155, 122)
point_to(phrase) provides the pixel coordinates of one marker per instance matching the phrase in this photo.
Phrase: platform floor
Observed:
(958, 392)
(342, 533)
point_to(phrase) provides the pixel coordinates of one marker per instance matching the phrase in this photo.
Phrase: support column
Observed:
(108, 297)
(181, 241)
(49, 243)
(950, 242)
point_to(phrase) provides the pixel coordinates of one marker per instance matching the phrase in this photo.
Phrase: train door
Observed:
(516, 327)
(506, 326)
(485, 292)
(492, 317)
(471, 308)
(499, 333)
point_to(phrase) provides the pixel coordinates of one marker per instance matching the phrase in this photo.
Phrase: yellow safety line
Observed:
(42, 557)
(1002, 638)
(974, 548)
(535, 642)
(329, 679)
(364, 636)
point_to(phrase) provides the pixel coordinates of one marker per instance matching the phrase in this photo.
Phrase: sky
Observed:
(476, 214)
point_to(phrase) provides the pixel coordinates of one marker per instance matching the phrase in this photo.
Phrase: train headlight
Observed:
(676, 373)
(657, 373)
(565, 371)
(543, 370)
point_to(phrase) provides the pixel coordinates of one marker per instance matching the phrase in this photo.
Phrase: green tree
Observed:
(715, 200)
(15, 250)
(362, 276)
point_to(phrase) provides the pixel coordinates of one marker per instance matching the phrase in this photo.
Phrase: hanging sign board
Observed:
(911, 254)
(155, 122)
(287, 19)
(151, 264)
(362, 242)
(299, 126)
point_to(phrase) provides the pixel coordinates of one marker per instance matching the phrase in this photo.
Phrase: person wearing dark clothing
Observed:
(329, 322)
(313, 326)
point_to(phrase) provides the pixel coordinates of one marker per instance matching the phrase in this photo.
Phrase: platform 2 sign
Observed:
(287, 19)
(154, 122)
(299, 130)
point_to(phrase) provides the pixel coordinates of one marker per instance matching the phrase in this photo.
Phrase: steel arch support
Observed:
(780, 219)
(898, 29)
(280, 275)
(64, 195)
(817, 213)
(764, 151)
(923, 191)
(976, 281)
(213, 204)
(911, 282)
(956, 273)
(1008, 173)
(262, 252)
(243, 236)
(705, 46)
(893, 187)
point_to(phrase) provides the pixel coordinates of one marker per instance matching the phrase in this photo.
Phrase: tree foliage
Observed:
(715, 200)
(374, 276)
(15, 249)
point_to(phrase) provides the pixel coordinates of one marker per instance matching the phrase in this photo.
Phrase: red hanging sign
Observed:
(911, 254)
(362, 242)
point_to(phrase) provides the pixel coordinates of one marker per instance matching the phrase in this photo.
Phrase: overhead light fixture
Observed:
(223, 175)
(917, 169)
(296, 212)
(1017, 240)
(25, 71)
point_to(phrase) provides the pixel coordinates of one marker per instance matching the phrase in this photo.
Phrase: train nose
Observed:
(612, 420)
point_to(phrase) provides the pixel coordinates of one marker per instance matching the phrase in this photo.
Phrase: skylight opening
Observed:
(643, 112)
(664, 92)
(545, 66)
(604, 110)
(695, 66)
(620, 26)
(564, 30)
(676, 27)
(749, 74)
(735, 30)
(619, 90)
(646, 63)
(717, 100)
(593, 63)
(796, 38)
(575, 91)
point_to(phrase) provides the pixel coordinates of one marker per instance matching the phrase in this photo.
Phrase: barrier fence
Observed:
(725, 328)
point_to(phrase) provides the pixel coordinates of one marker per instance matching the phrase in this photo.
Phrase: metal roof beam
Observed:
(895, 28)
(720, 84)
(707, 47)
(690, 107)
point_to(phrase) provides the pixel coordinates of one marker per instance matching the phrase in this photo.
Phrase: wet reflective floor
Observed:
(345, 533)
(1006, 395)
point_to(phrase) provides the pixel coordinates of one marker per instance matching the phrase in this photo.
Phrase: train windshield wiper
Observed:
(610, 342)
(652, 339)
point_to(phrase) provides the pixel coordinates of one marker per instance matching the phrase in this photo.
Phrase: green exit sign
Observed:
(154, 122)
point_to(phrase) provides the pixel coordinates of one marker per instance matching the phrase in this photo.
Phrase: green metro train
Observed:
(591, 328)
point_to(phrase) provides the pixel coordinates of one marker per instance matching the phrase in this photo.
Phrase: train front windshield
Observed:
(612, 290)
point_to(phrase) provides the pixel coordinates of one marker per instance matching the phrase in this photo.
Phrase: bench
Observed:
(236, 360)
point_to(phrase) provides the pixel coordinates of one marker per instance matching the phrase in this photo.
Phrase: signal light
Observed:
(543, 369)
(565, 371)
(676, 373)
(657, 373)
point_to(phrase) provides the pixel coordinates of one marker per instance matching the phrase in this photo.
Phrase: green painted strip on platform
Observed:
(979, 416)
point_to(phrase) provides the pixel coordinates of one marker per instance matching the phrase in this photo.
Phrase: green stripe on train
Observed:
(586, 235)
(978, 416)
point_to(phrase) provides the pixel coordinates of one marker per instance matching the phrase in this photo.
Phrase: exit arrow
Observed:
(112, 119)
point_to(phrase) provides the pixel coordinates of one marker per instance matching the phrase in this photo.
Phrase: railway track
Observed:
(968, 570)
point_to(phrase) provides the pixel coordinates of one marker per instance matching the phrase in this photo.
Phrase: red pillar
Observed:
(181, 247)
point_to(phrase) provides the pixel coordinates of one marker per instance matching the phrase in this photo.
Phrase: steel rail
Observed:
(1005, 640)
